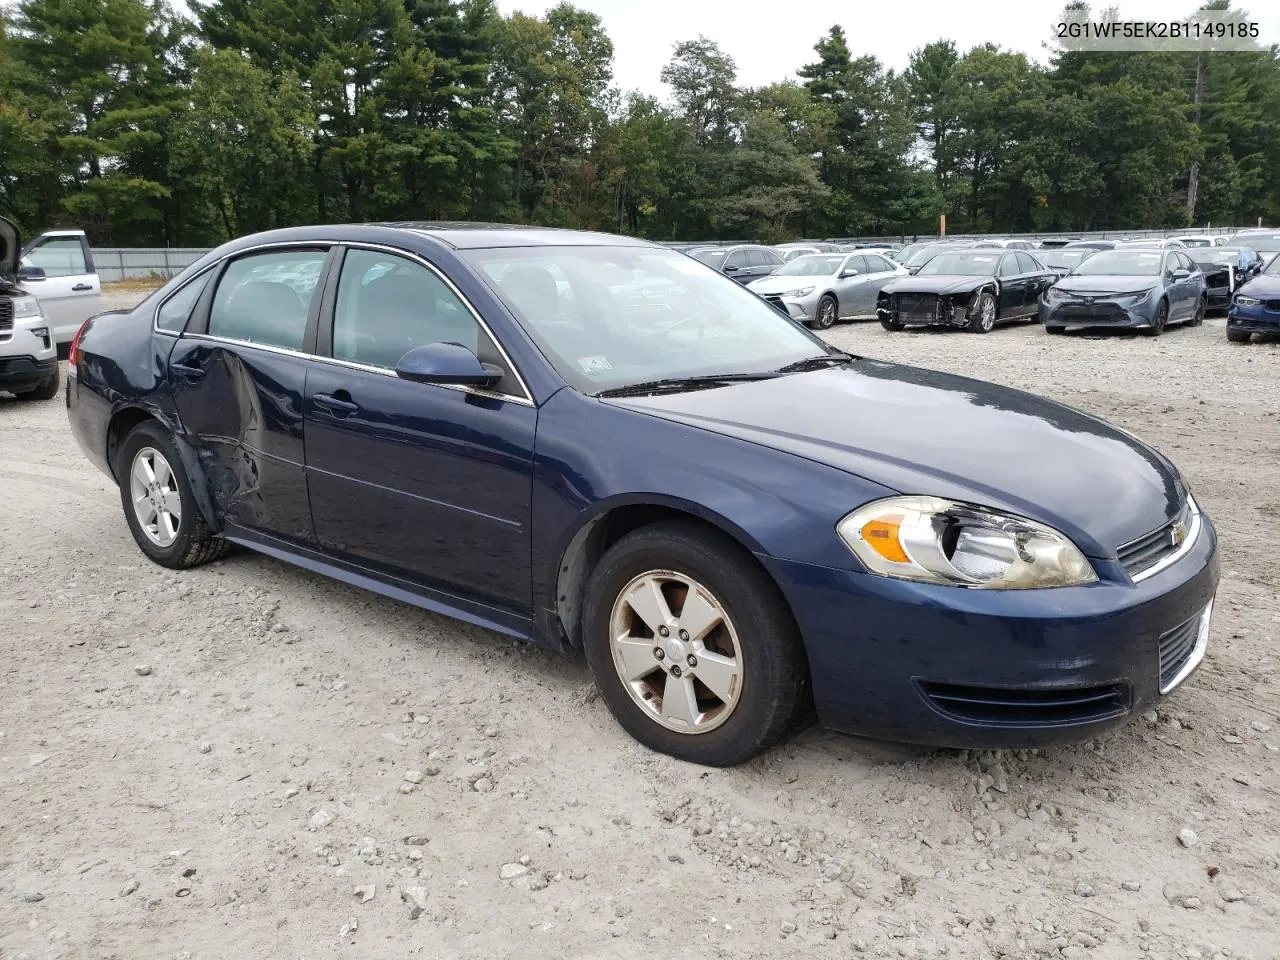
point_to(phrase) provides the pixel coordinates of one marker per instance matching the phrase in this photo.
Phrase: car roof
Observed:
(475, 236)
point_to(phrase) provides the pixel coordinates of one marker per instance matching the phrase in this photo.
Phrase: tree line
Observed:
(147, 127)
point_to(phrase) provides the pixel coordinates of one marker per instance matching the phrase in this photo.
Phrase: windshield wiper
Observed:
(677, 384)
(816, 363)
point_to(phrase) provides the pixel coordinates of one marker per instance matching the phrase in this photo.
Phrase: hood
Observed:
(924, 432)
(1108, 284)
(941, 283)
(776, 284)
(11, 243)
(1263, 287)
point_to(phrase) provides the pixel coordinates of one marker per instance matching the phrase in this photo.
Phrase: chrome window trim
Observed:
(1192, 536)
(525, 400)
(1196, 656)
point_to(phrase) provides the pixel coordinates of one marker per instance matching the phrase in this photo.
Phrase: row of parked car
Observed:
(978, 283)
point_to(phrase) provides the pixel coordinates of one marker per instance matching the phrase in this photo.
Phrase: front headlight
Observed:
(1053, 295)
(933, 540)
(1245, 301)
(25, 307)
(1133, 296)
(800, 292)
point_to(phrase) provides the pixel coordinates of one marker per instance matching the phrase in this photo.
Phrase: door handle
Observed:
(187, 370)
(81, 287)
(339, 406)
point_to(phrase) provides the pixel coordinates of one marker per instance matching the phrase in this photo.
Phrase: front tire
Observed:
(1238, 336)
(691, 644)
(827, 312)
(47, 389)
(1055, 329)
(984, 314)
(159, 506)
(1161, 319)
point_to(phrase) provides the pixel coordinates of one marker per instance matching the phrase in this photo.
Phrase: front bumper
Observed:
(1255, 318)
(926, 309)
(19, 374)
(944, 666)
(1099, 312)
(804, 309)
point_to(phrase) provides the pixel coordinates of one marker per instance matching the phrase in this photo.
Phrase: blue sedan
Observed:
(1255, 306)
(593, 443)
(1143, 287)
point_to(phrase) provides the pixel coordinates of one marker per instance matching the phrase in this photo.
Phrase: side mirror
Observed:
(30, 272)
(1180, 274)
(731, 268)
(848, 273)
(447, 363)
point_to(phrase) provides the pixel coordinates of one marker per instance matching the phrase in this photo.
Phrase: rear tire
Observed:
(1054, 329)
(1197, 318)
(48, 388)
(150, 451)
(1238, 336)
(754, 640)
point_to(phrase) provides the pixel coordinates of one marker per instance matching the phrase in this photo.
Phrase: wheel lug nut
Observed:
(658, 653)
(675, 671)
(691, 660)
(684, 635)
(664, 632)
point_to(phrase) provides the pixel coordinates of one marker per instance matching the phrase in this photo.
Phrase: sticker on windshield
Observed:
(594, 364)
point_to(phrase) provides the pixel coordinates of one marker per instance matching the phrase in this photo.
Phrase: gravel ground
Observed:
(246, 760)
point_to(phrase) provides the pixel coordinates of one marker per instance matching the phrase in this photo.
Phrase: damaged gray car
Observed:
(971, 289)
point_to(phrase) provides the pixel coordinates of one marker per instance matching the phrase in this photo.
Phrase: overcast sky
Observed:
(770, 39)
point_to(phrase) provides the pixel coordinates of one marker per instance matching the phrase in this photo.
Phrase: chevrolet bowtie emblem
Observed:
(1178, 533)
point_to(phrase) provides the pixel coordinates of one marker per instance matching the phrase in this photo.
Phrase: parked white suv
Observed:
(57, 269)
(28, 350)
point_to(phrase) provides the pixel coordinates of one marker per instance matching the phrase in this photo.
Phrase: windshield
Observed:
(712, 257)
(962, 264)
(1266, 244)
(608, 316)
(1122, 263)
(1196, 241)
(1228, 255)
(1272, 269)
(903, 255)
(922, 255)
(1065, 259)
(811, 266)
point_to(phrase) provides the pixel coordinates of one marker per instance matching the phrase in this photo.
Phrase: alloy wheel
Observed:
(676, 651)
(988, 313)
(156, 501)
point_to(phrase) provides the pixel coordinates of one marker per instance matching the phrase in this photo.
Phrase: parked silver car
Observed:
(822, 288)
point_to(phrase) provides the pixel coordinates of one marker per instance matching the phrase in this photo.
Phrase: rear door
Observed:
(238, 376)
(1037, 280)
(69, 291)
(427, 482)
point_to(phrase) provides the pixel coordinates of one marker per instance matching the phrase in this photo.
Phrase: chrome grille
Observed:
(1176, 647)
(1150, 548)
(776, 301)
(917, 306)
(6, 316)
(1271, 304)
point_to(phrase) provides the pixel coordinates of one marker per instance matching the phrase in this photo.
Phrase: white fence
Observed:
(134, 263)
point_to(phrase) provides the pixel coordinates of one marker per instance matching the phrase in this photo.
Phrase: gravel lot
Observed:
(246, 760)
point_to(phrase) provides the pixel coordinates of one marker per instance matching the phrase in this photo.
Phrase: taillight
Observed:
(74, 353)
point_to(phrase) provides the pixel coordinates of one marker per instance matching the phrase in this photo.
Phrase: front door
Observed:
(1013, 287)
(428, 482)
(237, 376)
(69, 292)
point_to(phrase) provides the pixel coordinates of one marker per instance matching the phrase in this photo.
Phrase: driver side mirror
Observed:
(1180, 274)
(30, 272)
(447, 363)
(851, 272)
(731, 268)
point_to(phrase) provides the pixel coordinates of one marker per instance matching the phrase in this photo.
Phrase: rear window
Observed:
(265, 297)
(174, 312)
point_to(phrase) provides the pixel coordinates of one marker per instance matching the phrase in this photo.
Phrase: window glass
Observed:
(1009, 266)
(878, 264)
(388, 305)
(770, 258)
(858, 263)
(638, 314)
(264, 297)
(1027, 263)
(174, 312)
(738, 259)
(58, 257)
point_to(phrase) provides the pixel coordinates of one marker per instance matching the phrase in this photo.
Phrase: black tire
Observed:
(1197, 319)
(48, 388)
(1238, 336)
(985, 314)
(774, 670)
(1161, 319)
(893, 326)
(827, 313)
(1054, 329)
(195, 543)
